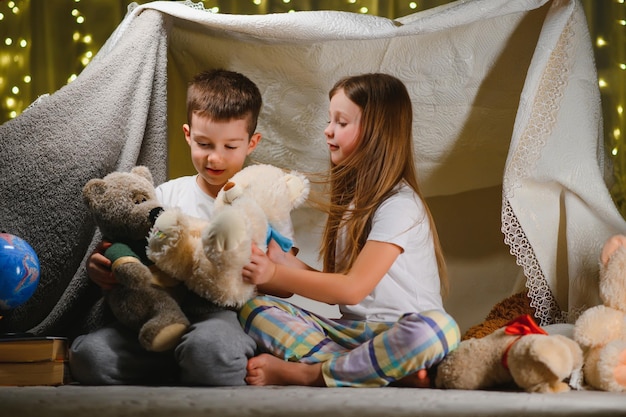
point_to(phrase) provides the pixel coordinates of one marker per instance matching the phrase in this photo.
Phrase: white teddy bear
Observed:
(208, 256)
(601, 330)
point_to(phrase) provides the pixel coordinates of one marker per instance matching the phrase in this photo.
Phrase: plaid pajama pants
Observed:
(353, 353)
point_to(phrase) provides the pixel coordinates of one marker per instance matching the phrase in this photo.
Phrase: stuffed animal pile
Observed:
(124, 207)
(155, 250)
(601, 330)
(520, 353)
(254, 206)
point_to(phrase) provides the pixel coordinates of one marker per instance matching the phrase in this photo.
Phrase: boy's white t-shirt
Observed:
(185, 193)
(412, 283)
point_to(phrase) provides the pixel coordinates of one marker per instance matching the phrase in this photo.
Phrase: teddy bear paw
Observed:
(166, 338)
(619, 372)
(226, 233)
(165, 233)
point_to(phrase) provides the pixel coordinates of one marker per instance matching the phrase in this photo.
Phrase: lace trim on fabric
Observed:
(197, 6)
(543, 116)
(541, 298)
(533, 139)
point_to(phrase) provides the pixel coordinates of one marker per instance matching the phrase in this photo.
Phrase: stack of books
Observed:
(33, 360)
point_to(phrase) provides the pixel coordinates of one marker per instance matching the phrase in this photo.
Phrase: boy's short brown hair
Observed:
(223, 95)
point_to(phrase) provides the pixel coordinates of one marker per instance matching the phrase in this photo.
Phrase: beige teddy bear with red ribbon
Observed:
(520, 352)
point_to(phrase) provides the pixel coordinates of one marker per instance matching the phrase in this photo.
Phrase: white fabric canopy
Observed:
(507, 125)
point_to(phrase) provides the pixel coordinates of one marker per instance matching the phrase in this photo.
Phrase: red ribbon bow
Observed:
(519, 327)
(523, 325)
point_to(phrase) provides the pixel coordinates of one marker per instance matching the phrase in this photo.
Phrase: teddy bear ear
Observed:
(142, 171)
(93, 189)
(232, 191)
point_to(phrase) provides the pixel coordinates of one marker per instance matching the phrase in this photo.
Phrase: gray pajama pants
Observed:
(214, 352)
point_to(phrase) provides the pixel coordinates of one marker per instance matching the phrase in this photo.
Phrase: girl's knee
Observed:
(260, 304)
(439, 324)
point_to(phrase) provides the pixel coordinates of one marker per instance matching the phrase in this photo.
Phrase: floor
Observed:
(72, 400)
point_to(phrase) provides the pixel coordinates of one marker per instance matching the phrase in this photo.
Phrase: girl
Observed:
(382, 261)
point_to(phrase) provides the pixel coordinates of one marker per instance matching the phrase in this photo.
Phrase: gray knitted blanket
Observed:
(112, 117)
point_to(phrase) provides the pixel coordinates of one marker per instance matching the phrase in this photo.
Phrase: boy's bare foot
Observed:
(266, 369)
(419, 379)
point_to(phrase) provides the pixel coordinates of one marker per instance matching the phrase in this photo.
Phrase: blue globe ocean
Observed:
(19, 271)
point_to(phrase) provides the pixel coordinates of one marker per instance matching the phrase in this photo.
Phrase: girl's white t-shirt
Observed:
(412, 283)
(185, 193)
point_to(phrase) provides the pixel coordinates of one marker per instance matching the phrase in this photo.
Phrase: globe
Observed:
(19, 271)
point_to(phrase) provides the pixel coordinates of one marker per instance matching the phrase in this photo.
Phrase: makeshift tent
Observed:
(507, 131)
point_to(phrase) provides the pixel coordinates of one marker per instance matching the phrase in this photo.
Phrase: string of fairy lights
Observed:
(45, 45)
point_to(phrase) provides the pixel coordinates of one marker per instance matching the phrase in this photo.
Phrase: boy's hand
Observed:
(99, 267)
(260, 270)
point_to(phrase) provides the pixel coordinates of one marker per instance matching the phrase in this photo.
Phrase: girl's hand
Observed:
(99, 267)
(276, 253)
(260, 270)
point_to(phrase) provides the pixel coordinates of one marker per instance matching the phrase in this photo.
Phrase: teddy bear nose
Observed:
(154, 213)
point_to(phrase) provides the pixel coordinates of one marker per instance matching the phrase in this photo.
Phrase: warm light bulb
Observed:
(614, 151)
(602, 83)
(8, 41)
(87, 39)
(15, 90)
(80, 19)
(617, 133)
(10, 102)
(363, 10)
(23, 43)
(620, 110)
(600, 42)
(27, 79)
(413, 5)
(75, 12)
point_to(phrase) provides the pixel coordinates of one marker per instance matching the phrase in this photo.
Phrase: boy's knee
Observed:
(215, 352)
(88, 361)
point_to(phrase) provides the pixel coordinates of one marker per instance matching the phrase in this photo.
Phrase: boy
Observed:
(222, 112)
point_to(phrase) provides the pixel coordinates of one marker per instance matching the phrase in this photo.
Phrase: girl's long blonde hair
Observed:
(383, 158)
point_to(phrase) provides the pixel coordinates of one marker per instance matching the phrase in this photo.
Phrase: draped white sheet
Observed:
(507, 124)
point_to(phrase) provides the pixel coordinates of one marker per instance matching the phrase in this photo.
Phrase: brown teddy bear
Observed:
(601, 330)
(124, 206)
(520, 352)
(503, 312)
